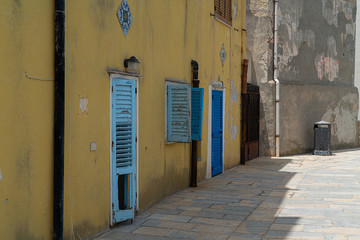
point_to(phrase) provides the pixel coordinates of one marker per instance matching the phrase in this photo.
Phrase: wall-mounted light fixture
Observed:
(131, 64)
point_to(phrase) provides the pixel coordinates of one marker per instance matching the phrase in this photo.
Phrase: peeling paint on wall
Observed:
(330, 11)
(347, 9)
(327, 67)
(234, 96)
(289, 45)
(234, 129)
(349, 30)
(83, 105)
(332, 8)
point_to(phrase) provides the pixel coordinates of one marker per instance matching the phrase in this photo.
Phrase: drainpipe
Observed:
(244, 110)
(277, 83)
(195, 82)
(59, 112)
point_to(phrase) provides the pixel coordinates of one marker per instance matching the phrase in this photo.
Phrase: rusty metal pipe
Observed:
(244, 76)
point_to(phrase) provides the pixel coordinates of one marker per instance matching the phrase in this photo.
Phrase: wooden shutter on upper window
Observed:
(217, 7)
(223, 10)
(228, 15)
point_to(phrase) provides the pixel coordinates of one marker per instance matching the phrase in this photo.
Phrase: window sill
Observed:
(222, 21)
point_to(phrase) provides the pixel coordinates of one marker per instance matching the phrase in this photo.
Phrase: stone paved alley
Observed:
(298, 197)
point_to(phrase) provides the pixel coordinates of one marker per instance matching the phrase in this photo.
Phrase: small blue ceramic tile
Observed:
(125, 17)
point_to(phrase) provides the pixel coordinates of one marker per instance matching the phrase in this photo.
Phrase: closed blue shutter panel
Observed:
(197, 96)
(124, 122)
(178, 113)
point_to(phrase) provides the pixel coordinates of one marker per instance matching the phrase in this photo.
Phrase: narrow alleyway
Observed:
(298, 197)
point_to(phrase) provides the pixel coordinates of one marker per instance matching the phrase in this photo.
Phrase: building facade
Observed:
(122, 146)
(314, 58)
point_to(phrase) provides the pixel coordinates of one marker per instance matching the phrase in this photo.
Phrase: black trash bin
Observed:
(322, 138)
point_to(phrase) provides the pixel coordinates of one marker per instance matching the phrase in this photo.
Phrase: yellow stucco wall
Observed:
(26, 119)
(165, 36)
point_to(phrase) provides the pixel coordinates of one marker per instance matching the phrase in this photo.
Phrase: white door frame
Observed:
(219, 87)
(126, 77)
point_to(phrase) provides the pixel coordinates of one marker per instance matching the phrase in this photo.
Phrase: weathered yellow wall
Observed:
(165, 36)
(26, 119)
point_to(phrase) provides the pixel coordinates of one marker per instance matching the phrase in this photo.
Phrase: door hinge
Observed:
(135, 139)
(112, 144)
(135, 90)
(112, 88)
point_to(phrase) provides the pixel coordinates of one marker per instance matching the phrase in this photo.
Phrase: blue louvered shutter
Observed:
(178, 113)
(123, 149)
(124, 122)
(197, 96)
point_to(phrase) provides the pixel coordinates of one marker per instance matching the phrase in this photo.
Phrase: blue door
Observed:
(123, 149)
(217, 133)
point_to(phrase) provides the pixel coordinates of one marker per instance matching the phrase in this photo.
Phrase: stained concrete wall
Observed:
(316, 56)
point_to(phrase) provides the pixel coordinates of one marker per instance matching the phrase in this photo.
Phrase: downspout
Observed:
(244, 110)
(276, 80)
(195, 83)
(59, 112)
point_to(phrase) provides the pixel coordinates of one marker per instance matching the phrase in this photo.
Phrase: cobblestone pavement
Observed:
(298, 197)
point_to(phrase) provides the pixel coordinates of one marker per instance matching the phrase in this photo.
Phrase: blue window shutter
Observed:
(197, 96)
(124, 122)
(178, 113)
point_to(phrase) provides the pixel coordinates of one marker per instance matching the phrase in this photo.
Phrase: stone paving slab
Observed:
(298, 197)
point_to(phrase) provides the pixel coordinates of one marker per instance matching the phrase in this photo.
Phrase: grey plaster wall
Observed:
(316, 71)
(304, 104)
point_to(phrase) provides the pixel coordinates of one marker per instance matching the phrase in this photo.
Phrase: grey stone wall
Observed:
(316, 71)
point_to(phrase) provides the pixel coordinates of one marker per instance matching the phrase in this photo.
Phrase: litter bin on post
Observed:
(322, 138)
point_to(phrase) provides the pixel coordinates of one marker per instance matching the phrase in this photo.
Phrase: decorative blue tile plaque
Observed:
(124, 16)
